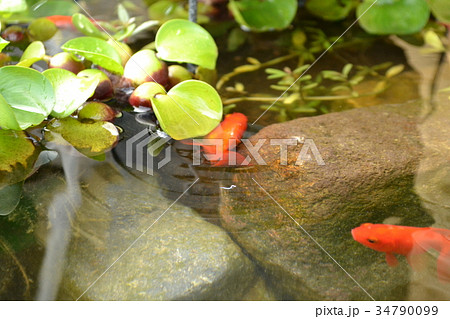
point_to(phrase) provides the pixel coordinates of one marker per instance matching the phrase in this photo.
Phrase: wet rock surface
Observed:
(19, 253)
(180, 256)
(371, 156)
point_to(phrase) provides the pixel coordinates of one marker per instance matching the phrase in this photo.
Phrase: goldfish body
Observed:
(65, 22)
(407, 241)
(228, 132)
(61, 21)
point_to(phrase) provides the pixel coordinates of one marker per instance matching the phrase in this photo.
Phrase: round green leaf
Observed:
(33, 53)
(55, 7)
(42, 29)
(28, 92)
(13, 5)
(331, 10)
(97, 51)
(191, 108)
(184, 41)
(17, 157)
(3, 44)
(85, 26)
(440, 9)
(165, 10)
(393, 16)
(91, 138)
(263, 15)
(71, 91)
(7, 117)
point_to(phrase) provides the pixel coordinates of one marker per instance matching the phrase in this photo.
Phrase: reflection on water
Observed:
(61, 212)
(432, 181)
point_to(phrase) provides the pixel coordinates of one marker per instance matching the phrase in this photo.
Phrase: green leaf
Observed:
(42, 29)
(71, 91)
(331, 10)
(393, 16)
(125, 33)
(264, 15)
(395, 70)
(346, 69)
(7, 117)
(124, 17)
(33, 53)
(165, 10)
(434, 41)
(10, 196)
(3, 44)
(184, 41)
(85, 26)
(97, 51)
(17, 157)
(191, 108)
(91, 138)
(275, 73)
(13, 5)
(236, 39)
(54, 7)
(28, 92)
(144, 26)
(440, 9)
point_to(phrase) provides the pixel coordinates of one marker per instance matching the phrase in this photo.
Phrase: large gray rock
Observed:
(180, 256)
(371, 157)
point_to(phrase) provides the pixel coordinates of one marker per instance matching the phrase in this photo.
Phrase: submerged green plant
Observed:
(301, 93)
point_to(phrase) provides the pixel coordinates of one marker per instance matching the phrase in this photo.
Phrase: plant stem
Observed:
(193, 11)
(192, 18)
(306, 98)
(10, 252)
(226, 77)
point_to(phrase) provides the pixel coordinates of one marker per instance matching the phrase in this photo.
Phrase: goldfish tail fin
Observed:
(443, 265)
(416, 261)
(391, 260)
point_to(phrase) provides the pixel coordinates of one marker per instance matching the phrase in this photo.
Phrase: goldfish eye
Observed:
(371, 240)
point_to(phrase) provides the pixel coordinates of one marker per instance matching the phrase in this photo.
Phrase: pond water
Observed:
(88, 230)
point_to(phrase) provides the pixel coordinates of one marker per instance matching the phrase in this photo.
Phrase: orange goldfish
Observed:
(407, 241)
(232, 129)
(65, 21)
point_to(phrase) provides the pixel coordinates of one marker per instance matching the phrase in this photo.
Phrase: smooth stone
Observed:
(176, 254)
(371, 156)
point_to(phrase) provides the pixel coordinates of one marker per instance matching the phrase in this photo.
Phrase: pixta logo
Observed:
(140, 147)
(141, 150)
(306, 154)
